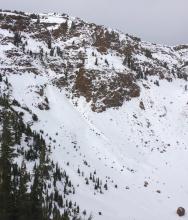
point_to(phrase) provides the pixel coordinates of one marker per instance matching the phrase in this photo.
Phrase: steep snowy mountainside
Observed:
(101, 64)
(113, 107)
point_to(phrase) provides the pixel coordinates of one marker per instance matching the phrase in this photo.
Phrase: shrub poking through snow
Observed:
(181, 211)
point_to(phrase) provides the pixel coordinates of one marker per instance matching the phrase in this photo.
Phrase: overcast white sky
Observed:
(160, 21)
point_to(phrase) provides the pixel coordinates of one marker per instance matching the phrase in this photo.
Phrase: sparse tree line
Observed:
(53, 51)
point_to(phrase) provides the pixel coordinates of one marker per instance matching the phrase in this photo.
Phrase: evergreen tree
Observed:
(6, 155)
(24, 204)
(17, 39)
(36, 196)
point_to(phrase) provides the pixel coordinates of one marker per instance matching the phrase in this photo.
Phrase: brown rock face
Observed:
(104, 91)
(181, 211)
(83, 84)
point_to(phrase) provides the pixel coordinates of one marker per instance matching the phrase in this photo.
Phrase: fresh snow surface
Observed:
(128, 145)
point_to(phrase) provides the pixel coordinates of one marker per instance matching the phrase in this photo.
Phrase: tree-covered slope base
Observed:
(29, 180)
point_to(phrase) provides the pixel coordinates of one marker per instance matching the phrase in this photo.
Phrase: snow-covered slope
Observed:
(112, 107)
